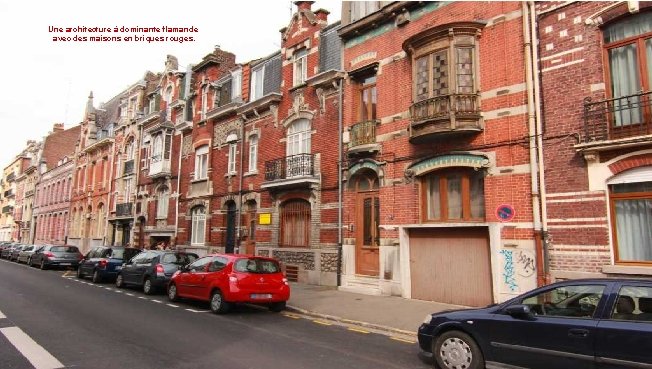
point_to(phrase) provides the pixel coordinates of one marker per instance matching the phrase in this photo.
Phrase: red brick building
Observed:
(595, 61)
(51, 204)
(441, 166)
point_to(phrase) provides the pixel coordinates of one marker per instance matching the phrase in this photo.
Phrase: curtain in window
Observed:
(634, 229)
(648, 56)
(162, 203)
(625, 81)
(434, 199)
(477, 195)
(198, 225)
(454, 189)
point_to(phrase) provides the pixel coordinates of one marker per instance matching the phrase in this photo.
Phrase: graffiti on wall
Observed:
(509, 276)
(516, 263)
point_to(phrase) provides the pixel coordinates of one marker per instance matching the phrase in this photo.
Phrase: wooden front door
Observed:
(367, 231)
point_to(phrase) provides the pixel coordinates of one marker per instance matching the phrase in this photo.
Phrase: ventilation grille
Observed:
(292, 273)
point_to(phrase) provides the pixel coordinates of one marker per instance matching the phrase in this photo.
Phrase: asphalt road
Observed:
(82, 325)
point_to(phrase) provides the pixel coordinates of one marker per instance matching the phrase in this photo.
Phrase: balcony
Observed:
(7, 209)
(129, 167)
(443, 116)
(617, 123)
(124, 209)
(159, 167)
(9, 193)
(363, 138)
(11, 177)
(291, 171)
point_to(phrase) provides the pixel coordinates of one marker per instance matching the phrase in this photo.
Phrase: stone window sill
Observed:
(627, 269)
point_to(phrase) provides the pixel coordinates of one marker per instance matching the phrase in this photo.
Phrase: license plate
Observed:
(259, 296)
(64, 264)
(118, 267)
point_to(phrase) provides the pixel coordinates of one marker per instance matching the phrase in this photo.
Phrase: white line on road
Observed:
(2, 316)
(157, 301)
(142, 298)
(174, 306)
(197, 311)
(33, 352)
(129, 294)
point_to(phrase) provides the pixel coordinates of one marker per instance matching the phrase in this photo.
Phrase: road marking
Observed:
(174, 306)
(402, 339)
(292, 316)
(108, 289)
(117, 291)
(197, 311)
(129, 294)
(156, 301)
(33, 352)
(321, 322)
(142, 298)
(358, 330)
(2, 316)
(66, 274)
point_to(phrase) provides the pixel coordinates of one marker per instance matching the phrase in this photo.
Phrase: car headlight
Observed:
(428, 319)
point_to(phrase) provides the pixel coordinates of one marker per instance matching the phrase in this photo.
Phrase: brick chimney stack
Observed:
(303, 5)
(322, 14)
(57, 127)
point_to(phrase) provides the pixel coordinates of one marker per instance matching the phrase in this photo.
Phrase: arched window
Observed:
(298, 138)
(455, 194)
(162, 203)
(157, 150)
(295, 223)
(198, 233)
(204, 101)
(201, 162)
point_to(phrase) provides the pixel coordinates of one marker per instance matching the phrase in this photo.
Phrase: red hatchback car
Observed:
(227, 279)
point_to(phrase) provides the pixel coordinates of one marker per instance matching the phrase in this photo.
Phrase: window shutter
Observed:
(157, 102)
(166, 152)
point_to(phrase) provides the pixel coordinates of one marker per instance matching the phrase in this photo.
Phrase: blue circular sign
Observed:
(505, 213)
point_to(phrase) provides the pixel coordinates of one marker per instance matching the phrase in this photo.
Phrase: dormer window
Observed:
(257, 76)
(204, 101)
(236, 84)
(300, 63)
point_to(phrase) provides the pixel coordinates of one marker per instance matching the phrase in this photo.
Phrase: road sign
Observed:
(505, 213)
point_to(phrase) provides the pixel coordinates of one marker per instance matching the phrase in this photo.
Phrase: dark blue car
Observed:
(104, 263)
(578, 324)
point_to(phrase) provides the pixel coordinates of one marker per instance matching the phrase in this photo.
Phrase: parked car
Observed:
(56, 256)
(16, 251)
(227, 279)
(152, 270)
(591, 323)
(5, 252)
(25, 256)
(104, 263)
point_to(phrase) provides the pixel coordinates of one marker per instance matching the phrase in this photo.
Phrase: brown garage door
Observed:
(451, 265)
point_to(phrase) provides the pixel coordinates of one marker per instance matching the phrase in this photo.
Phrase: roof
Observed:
(59, 144)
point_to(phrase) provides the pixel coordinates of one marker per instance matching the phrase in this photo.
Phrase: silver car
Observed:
(56, 256)
(25, 256)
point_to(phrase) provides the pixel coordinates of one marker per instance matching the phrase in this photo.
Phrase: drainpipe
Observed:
(111, 184)
(532, 133)
(539, 128)
(236, 250)
(176, 210)
(339, 184)
(137, 174)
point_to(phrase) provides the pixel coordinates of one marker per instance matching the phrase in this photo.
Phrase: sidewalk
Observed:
(386, 313)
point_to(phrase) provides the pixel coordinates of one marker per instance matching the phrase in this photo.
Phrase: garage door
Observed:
(451, 265)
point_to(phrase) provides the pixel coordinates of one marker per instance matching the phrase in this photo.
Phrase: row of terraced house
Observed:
(461, 152)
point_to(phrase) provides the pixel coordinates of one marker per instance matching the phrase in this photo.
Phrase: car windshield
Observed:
(64, 249)
(179, 259)
(260, 266)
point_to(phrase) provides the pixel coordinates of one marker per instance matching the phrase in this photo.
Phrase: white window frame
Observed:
(169, 92)
(198, 229)
(201, 162)
(204, 101)
(162, 203)
(233, 149)
(236, 84)
(298, 138)
(127, 189)
(253, 153)
(257, 78)
(157, 148)
(300, 67)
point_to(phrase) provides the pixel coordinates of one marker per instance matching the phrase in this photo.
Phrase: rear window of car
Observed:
(64, 249)
(259, 266)
(179, 259)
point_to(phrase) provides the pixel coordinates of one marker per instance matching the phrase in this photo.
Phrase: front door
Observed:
(367, 230)
(230, 227)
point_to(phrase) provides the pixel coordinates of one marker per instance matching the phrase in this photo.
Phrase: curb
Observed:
(376, 327)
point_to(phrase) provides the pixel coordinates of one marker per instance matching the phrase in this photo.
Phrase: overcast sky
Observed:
(44, 82)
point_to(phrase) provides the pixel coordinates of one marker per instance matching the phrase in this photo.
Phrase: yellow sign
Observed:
(265, 218)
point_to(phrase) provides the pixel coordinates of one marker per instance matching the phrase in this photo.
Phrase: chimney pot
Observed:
(303, 5)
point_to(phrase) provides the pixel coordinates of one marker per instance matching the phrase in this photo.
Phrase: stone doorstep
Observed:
(375, 328)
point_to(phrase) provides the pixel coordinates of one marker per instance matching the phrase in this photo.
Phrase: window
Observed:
(578, 301)
(295, 223)
(257, 76)
(236, 84)
(453, 195)
(157, 151)
(631, 213)
(198, 232)
(628, 48)
(133, 107)
(253, 153)
(257, 266)
(298, 139)
(201, 162)
(152, 104)
(300, 70)
(231, 160)
(168, 100)
(127, 189)
(367, 102)
(360, 9)
(162, 203)
(633, 303)
(218, 263)
(204, 101)
(201, 264)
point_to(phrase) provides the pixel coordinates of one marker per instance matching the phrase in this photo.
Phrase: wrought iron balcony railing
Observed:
(620, 117)
(289, 166)
(363, 133)
(124, 209)
(129, 167)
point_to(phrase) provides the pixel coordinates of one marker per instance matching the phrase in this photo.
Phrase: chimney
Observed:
(322, 14)
(57, 127)
(171, 63)
(303, 5)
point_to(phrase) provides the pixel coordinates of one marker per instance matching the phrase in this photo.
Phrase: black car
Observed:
(152, 269)
(104, 262)
(586, 323)
(56, 256)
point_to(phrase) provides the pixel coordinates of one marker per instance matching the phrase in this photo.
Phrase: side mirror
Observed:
(519, 311)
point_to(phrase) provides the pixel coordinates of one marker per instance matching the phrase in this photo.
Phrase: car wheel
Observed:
(457, 350)
(147, 286)
(80, 275)
(218, 305)
(172, 292)
(119, 282)
(29, 261)
(42, 266)
(277, 307)
(96, 277)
